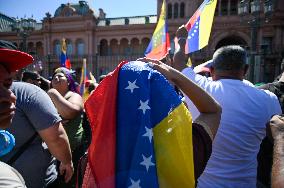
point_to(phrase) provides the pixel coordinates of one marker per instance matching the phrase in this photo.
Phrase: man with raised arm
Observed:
(245, 112)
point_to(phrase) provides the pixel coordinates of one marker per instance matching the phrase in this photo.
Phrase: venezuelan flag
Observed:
(64, 60)
(141, 131)
(199, 26)
(159, 45)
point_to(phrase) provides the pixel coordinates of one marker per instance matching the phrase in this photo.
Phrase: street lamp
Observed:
(250, 12)
(24, 27)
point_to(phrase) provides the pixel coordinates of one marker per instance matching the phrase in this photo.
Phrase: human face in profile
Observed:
(7, 98)
(59, 81)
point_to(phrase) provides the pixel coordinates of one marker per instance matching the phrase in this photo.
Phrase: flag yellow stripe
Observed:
(162, 18)
(173, 149)
(206, 20)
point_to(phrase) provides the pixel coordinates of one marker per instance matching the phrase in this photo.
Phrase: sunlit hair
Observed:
(232, 57)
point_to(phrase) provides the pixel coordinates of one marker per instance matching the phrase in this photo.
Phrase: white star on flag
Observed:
(135, 184)
(131, 86)
(144, 106)
(147, 162)
(149, 133)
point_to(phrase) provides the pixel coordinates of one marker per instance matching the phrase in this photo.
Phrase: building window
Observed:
(80, 48)
(39, 48)
(182, 10)
(170, 11)
(114, 48)
(266, 45)
(233, 9)
(217, 9)
(57, 48)
(144, 44)
(103, 48)
(134, 46)
(224, 7)
(69, 47)
(123, 47)
(175, 10)
(31, 48)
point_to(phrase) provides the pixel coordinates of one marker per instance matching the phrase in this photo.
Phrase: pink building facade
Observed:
(104, 41)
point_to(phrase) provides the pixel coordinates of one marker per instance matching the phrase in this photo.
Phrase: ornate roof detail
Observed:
(81, 8)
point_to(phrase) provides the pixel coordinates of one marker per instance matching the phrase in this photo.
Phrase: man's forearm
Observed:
(57, 141)
(277, 178)
(60, 149)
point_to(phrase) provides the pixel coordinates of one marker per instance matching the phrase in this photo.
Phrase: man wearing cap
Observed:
(8, 175)
(246, 110)
(35, 116)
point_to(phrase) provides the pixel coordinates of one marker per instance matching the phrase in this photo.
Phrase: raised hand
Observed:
(179, 59)
(169, 72)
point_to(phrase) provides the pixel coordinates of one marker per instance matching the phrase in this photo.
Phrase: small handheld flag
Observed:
(159, 45)
(199, 26)
(64, 60)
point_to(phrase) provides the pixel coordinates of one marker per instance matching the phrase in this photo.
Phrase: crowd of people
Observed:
(44, 130)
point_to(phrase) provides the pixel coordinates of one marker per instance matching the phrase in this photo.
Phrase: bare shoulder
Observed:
(71, 94)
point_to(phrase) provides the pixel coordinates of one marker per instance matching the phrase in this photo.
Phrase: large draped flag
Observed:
(199, 26)
(64, 60)
(159, 45)
(141, 132)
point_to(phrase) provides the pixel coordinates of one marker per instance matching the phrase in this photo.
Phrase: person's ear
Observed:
(29, 80)
(212, 72)
(246, 69)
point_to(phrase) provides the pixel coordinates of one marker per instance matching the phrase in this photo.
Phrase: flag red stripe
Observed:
(101, 111)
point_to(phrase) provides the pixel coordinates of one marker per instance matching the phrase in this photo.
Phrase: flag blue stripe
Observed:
(193, 37)
(130, 142)
(63, 59)
(149, 48)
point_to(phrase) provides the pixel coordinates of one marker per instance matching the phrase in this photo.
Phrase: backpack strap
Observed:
(21, 150)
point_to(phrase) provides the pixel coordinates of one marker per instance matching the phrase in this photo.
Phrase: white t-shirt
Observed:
(192, 108)
(245, 112)
(10, 177)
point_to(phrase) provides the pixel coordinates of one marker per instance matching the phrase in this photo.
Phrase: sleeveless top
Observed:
(74, 130)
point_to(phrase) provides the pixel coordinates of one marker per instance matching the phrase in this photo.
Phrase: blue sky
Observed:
(113, 8)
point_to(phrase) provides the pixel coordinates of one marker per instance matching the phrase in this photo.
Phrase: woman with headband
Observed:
(69, 105)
